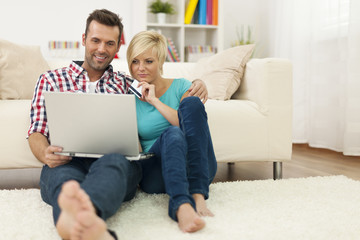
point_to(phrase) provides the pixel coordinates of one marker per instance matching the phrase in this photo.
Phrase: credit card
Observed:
(135, 89)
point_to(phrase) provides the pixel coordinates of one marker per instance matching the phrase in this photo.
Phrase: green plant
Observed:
(240, 36)
(161, 7)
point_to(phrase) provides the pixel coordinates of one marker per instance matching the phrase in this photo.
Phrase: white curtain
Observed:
(322, 39)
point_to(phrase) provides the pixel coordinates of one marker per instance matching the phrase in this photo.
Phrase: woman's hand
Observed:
(148, 93)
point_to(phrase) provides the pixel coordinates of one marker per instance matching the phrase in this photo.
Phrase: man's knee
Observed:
(113, 160)
(52, 178)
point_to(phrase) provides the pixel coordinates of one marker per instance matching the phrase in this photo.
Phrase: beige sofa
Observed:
(255, 124)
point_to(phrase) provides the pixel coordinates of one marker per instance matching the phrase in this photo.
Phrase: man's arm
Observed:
(38, 141)
(44, 152)
(198, 89)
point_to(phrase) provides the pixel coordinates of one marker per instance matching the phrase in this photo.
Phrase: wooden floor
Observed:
(305, 162)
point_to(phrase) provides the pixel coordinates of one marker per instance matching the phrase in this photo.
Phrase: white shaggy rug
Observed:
(308, 208)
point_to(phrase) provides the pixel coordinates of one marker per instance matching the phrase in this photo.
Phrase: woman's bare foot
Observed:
(188, 219)
(72, 200)
(201, 207)
(90, 227)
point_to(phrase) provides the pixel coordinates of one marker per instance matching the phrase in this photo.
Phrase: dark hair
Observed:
(105, 17)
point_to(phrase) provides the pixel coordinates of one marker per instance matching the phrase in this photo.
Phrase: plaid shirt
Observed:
(71, 79)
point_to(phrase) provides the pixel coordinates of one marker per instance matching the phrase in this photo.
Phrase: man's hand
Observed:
(198, 89)
(54, 160)
(44, 152)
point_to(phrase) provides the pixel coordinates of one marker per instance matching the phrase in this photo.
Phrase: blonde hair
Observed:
(144, 41)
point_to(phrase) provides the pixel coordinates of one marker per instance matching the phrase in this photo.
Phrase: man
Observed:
(85, 191)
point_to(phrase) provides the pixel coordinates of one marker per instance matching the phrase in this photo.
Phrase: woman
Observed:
(174, 127)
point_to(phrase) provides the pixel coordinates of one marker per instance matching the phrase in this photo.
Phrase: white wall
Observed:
(248, 13)
(38, 21)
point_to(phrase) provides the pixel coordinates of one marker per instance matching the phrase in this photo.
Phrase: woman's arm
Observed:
(169, 113)
(148, 95)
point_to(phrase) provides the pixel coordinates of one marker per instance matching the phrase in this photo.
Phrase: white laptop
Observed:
(93, 124)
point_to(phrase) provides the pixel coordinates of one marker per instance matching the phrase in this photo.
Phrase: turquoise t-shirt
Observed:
(150, 121)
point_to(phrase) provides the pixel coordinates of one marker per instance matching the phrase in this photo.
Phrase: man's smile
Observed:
(101, 58)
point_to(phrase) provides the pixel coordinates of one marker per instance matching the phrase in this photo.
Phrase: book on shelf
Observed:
(169, 56)
(195, 19)
(209, 12)
(173, 55)
(190, 10)
(203, 12)
(215, 7)
(195, 52)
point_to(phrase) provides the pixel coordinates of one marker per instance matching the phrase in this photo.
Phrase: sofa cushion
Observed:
(239, 131)
(14, 147)
(223, 71)
(20, 68)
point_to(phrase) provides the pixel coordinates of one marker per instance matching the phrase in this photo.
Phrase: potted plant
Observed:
(161, 9)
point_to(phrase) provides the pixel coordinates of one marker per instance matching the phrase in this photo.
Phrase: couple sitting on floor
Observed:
(172, 123)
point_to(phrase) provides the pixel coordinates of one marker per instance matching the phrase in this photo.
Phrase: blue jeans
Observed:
(184, 161)
(108, 181)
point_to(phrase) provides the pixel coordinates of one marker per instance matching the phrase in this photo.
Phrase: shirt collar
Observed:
(76, 67)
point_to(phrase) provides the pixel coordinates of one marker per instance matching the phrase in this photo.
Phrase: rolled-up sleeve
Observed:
(38, 120)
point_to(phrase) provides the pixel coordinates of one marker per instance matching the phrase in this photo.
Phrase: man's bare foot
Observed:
(188, 219)
(201, 207)
(90, 227)
(72, 200)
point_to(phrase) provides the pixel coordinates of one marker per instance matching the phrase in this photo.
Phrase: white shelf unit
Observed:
(181, 34)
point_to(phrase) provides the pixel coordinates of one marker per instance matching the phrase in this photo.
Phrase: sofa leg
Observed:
(277, 170)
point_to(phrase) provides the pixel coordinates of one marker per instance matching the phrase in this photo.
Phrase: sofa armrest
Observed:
(268, 83)
(14, 147)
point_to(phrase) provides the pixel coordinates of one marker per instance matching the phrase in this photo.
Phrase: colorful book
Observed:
(170, 56)
(195, 52)
(215, 10)
(172, 49)
(209, 12)
(175, 53)
(195, 19)
(189, 13)
(202, 11)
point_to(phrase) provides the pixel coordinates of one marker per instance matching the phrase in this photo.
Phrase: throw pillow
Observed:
(20, 68)
(223, 71)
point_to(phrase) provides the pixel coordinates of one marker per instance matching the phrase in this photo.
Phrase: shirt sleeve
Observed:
(38, 120)
(184, 85)
(128, 81)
